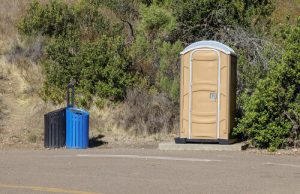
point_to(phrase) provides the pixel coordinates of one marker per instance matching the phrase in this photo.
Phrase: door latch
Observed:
(213, 96)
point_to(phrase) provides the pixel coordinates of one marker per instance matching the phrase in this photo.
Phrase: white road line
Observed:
(146, 157)
(280, 164)
(55, 156)
(63, 156)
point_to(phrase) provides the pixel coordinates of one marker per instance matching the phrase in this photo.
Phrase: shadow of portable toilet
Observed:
(77, 124)
(208, 93)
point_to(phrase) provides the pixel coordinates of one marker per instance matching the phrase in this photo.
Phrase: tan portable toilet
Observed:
(207, 93)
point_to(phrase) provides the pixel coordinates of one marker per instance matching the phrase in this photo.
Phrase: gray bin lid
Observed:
(209, 44)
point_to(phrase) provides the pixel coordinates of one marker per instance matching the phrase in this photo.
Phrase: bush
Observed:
(58, 18)
(98, 68)
(82, 47)
(156, 20)
(154, 52)
(202, 19)
(169, 69)
(272, 113)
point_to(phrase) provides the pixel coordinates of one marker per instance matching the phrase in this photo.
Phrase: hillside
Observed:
(138, 43)
(17, 103)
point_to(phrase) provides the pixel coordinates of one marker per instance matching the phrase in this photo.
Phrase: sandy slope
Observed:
(21, 122)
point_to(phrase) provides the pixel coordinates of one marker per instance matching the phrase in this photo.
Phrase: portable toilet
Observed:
(207, 93)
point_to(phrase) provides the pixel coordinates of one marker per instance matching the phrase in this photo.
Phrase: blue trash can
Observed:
(77, 128)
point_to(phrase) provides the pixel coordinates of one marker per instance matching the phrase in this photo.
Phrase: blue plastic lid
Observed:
(78, 111)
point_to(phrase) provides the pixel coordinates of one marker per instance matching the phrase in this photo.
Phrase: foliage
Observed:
(127, 11)
(82, 47)
(168, 71)
(155, 20)
(165, 23)
(272, 112)
(203, 19)
(109, 47)
(98, 68)
(57, 18)
(152, 51)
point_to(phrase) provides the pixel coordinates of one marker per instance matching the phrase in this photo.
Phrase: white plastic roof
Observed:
(209, 44)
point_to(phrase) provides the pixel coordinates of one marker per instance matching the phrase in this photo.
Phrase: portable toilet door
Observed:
(208, 92)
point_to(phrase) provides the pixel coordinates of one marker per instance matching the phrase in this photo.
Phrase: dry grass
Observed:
(21, 78)
(2, 106)
(1, 114)
(35, 136)
(145, 113)
(10, 13)
(284, 9)
(22, 54)
(141, 115)
(124, 125)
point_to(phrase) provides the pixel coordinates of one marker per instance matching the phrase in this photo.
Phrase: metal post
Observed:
(70, 102)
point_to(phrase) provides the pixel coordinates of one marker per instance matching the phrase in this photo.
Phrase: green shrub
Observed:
(58, 18)
(169, 69)
(272, 113)
(203, 19)
(156, 19)
(153, 51)
(98, 68)
(82, 47)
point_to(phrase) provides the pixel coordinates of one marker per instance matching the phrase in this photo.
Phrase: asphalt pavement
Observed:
(146, 171)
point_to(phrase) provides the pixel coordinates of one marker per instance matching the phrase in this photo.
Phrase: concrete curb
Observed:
(202, 147)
